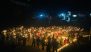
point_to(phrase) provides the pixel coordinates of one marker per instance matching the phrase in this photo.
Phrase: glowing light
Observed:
(69, 13)
(90, 14)
(74, 40)
(64, 37)
(21, 27)
(74, 15)
(62, 15)
(68, 20)
(63, 47)
(65, 16)
(4, 32)
(41, 15)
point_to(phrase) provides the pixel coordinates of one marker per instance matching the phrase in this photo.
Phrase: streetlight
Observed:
(74, 15)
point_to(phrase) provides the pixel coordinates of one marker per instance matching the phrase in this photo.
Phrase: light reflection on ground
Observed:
(59, 49)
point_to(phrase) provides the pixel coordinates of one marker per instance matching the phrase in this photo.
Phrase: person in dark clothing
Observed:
(2, 39)
(48, 45)
(34, 41)
(7, 41)
(24, 41)
(55, 45)
(19, 39)
(11, 41)
(43, 43)
(38, 41)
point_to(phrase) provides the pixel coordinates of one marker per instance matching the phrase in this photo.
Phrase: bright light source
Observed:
(4, 32)
(90, 14)
(74, 15)
(59, 49)
(62, 15)
(41, 15)
(65, 16)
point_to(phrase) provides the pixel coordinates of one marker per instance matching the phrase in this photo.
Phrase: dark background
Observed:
(21, 12)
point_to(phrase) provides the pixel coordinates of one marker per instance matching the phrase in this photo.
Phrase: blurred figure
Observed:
(54, 44)
(19, 39)
(34, 41)
(43, 43)
(49, 45)
(24, 41)
(2, 39)
(38, 41)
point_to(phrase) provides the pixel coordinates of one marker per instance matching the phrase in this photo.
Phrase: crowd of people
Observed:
(49, 38)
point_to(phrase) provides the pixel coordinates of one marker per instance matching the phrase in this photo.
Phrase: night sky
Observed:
(19, 12)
